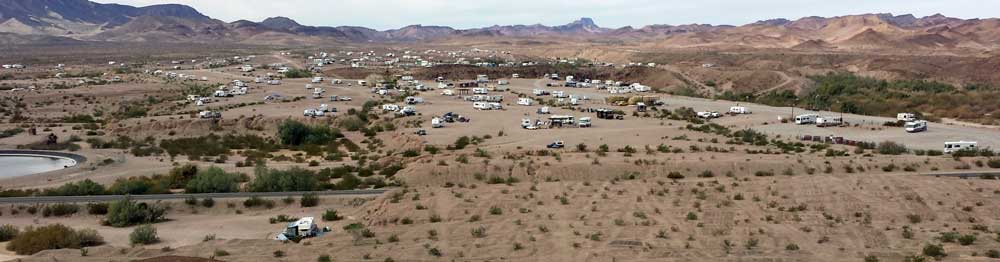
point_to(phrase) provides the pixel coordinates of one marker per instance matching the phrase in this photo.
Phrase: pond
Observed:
(22, 165)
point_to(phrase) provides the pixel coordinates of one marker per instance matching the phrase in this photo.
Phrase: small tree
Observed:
(143, 235)
(932, 250)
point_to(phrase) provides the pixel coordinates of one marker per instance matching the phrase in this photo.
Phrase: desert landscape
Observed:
(158, 133)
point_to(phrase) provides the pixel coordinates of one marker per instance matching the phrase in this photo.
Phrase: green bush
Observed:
(932, 250)
(213, 180)
(208, 202)
(86, 187)
(60, 210)
(8, 232)
(139, 186)
(993, 163)
(295, 133)
(309, 200)
(257, 201)
(143, 235)
(331, 215)
(298, 73)
(55, 236)
(126, 212)
(290, 180)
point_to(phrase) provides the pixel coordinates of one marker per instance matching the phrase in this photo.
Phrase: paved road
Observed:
(108, 198)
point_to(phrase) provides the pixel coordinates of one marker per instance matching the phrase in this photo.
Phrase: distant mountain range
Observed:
(89, 21)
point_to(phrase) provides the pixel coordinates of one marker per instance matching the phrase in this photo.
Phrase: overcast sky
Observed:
(388, 14)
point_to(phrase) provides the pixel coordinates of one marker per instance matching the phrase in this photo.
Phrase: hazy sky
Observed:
(386, 14)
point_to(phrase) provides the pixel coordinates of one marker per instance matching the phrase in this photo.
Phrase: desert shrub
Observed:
(891, 148)
(993, 163)
(331, 215)
(126, 212)
(208, 202)
(255, 201)
(295, 133)
(8, 232)
(292, 179)
(55, 236)
(932, 250)
(86, 187)
(139, 186)
(966, 240)
(60, 210)
(97, 208)
(298, 73)
(213, 180)
(309, 200)
(143, 235)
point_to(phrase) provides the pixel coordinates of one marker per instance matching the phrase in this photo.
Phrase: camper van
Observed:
(525, 122)
(827, 121)
(952, 147)
(362, 82)
(906, 117)
(584, 122)
(916, 126)
(806, 119)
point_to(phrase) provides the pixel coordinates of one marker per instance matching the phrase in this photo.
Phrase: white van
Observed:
(906, 117)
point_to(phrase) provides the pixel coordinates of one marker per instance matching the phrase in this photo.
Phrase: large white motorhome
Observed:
(952, 147)
(916, 126)
(806, 119)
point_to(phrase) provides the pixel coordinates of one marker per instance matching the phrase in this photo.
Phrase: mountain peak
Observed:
(280, 22)
(584, 21)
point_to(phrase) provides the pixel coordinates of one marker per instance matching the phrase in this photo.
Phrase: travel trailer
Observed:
(481, 106)
(524, 101)
(739, 110)
(302, 228)
(209, 115)
(448, 92)
(906, 117)
(709, 115)
(544, 110)
(952, 147)
(390, 107)
(806, 119)
(828, 121)
(317, 80)
(916, 126)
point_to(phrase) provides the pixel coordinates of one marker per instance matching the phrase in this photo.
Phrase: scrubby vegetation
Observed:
(127, 212)
(35, 239)
(849, 93)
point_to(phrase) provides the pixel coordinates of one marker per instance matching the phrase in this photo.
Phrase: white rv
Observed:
(447, 92)
(827, 121)
(584, 122)
(437, 123)
(302, 228)
(390, 107)
(739, 110)
(916, 126)
(317, 80)
(906, 117)
(481, 106)
(952, 147)
(806, 119)
(709, 114)
(479, 91)
(524, 101)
